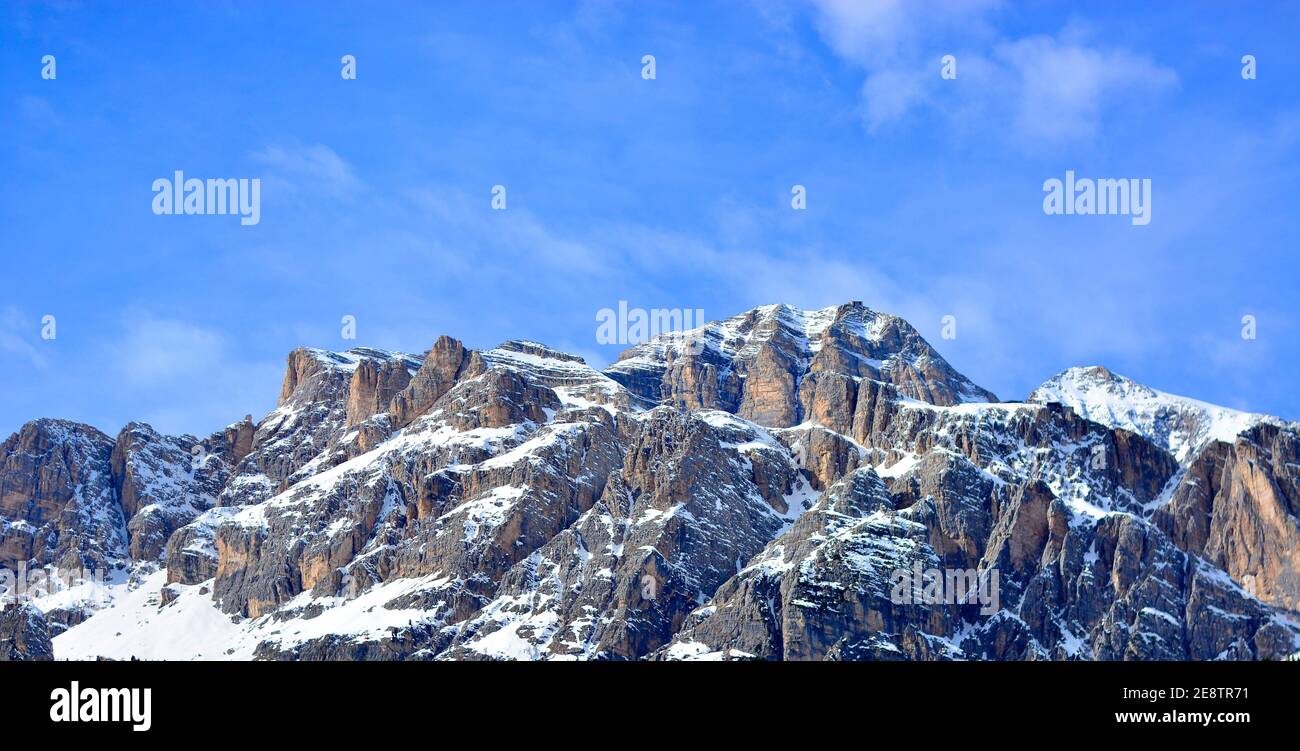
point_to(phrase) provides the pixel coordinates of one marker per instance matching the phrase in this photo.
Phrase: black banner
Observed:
(317, 700)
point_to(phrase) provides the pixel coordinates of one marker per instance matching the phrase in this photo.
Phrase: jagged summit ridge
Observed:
(736, 492)
(1180, 424)
(755, 364)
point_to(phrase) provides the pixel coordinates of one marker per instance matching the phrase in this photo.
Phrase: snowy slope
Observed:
(191, 627)
(1181, 425)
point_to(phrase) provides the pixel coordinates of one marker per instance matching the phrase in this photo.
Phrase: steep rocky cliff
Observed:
(57, 501)
(24, 635)
(761, 364)
(753, 489)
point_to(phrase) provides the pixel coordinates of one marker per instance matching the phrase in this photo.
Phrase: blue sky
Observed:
(924, 195)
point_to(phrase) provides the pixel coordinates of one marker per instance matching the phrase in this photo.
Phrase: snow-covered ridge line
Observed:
(348, 360)
(773, 341)
(732, 336)
(1180, 424)
(518, 507)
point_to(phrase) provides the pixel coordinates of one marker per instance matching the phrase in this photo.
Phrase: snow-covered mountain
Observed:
(749, 489)
(749, 363)
(1181, 425)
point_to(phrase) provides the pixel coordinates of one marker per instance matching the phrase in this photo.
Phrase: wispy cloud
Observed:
(1062, 86)
(17, 332)
(315, 168)
(157, 350)
(188, 373)
(875, 35)
(1052, 88)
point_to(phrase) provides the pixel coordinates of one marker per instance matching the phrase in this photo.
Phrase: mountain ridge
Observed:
(1098, 393)
(516, 503)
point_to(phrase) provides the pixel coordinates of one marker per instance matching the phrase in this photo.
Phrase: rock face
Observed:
(374, 384)
(191, 554)
(314, 412)
(784, 484)
(755, 364)
(24, 635)
(58, 506)
(619, 581)
(163, 483)
(1238, 507)
(465, 491)
(1052, 503)
(443, 366)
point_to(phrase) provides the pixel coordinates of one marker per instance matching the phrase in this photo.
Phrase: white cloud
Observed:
(1052, 88)
(876, 34)
(890, 94)
(186, 377)
(154, 350)
(866, 33)
(16, 335)
(316, 167)
(1062, 86)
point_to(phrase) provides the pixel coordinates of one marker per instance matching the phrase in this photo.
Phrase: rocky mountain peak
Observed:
(310, 369)
(756, 363)
(1181, 425)
(1091, 377)
(58, 505)
(738, 491)
(575, 383)
(537, 349)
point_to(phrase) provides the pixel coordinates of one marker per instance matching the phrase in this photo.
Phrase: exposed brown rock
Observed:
(374, 384)
(56, 482)
(522, 505)
(24, 635)
(444, 364)
(1238, 506)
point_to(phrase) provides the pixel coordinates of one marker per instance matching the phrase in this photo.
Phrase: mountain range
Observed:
(748, 489)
